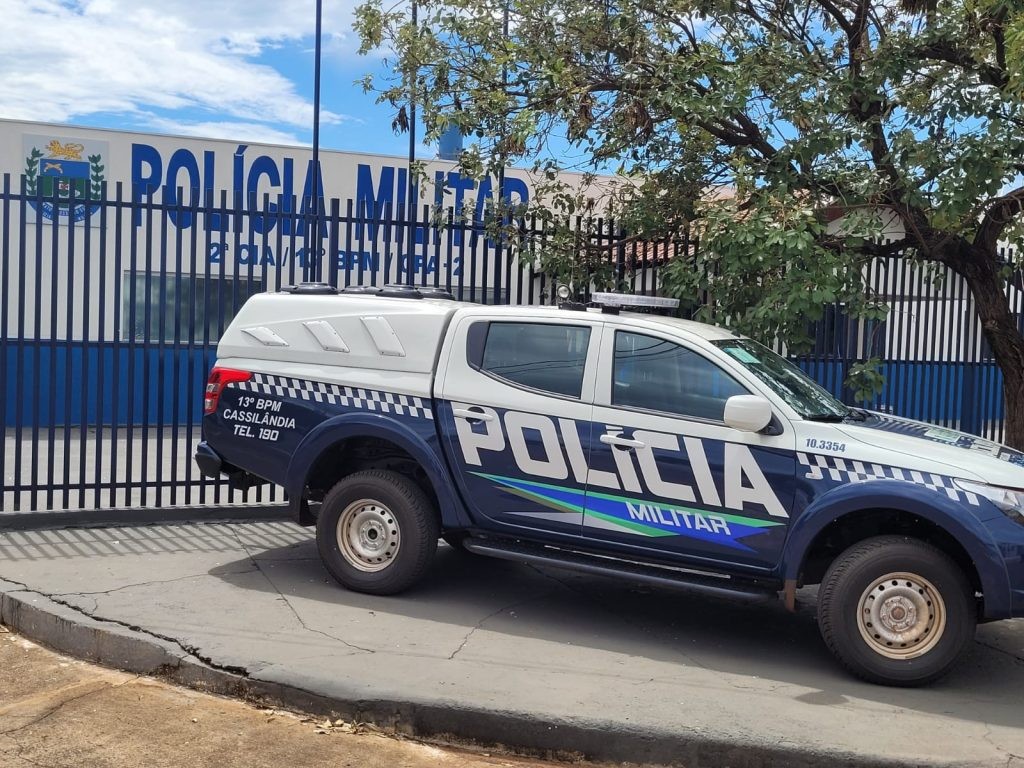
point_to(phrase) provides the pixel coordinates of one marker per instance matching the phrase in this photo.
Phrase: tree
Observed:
(909, 119)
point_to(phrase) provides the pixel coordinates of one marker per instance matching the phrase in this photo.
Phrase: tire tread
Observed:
(423, 535)
(833, 581)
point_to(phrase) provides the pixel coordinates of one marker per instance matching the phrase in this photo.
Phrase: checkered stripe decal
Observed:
(843, 471)
(352, 397)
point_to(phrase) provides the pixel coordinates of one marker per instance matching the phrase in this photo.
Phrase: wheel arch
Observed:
(851, 513)
(326, 445)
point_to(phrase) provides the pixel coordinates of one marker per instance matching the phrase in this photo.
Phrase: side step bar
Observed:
(663, 576)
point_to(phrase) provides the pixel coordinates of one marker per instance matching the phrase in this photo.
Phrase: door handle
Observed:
(622, 442)
(465, 413)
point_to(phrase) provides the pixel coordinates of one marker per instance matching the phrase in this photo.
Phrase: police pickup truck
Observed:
(616, 443)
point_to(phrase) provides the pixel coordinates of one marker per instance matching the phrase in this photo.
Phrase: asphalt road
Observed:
(530, 648)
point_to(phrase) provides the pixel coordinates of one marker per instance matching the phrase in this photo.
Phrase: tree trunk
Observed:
(981, 270)
(1013, 397)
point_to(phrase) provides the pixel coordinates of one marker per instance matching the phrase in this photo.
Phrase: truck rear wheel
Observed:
(377, 532)
(896, 611)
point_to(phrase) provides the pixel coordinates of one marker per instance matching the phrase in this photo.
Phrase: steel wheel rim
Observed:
(901, 616)
(368, 535)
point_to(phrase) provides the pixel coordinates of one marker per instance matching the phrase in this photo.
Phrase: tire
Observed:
(891, 640)
(377, 532)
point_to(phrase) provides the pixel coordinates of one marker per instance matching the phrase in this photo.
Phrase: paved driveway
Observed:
(540, 647)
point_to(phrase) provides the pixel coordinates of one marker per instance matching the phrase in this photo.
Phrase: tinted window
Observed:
(546, 357)
(657, 375)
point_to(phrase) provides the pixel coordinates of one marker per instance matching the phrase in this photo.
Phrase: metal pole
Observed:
(504, 89)
(317, 269)
(410, 200)
(501, 171)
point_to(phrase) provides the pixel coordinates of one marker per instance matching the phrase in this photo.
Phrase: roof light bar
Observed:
(608, 299)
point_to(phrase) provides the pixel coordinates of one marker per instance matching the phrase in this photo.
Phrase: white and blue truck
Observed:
(617, 443)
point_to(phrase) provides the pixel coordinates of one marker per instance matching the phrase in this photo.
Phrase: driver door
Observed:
(676, 479)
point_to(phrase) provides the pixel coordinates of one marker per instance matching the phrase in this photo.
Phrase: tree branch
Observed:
(893, 248)
(869, 110)
(838, 16)
(1001, 211)
(950, 53)
(877, 250)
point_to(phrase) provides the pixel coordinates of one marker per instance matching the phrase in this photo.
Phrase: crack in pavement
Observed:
(292, 608)
(190, 650)
(491, 615)
(21, 584)
(95, 604)
(987, 737)
(151, 583)
(308, 628)
(1011, 654)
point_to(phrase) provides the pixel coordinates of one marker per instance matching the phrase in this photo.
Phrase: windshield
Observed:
(799, 391)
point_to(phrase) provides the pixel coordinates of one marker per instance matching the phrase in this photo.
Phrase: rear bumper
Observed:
(211, 464)
(208, 460)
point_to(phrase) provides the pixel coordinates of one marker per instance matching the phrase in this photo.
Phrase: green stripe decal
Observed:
(750, 522)
(561, 506)
(637, 516)
(512, 482)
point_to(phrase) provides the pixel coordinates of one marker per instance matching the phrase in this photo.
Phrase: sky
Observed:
(234, 69)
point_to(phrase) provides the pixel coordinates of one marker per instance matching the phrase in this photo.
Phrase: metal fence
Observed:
(110, 310)
(112, 307)
(936, 362)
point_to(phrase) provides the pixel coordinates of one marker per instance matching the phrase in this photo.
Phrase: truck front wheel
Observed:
(377, 532)
(896, 611)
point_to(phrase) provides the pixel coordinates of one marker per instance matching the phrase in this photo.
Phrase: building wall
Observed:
(174, 218)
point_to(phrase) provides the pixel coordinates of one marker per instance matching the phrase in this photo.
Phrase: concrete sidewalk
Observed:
(496, 652)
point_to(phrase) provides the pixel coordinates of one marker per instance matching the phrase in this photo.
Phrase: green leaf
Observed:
(820, 141)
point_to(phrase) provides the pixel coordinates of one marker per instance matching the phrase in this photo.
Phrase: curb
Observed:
(128, 648)
(95, 518)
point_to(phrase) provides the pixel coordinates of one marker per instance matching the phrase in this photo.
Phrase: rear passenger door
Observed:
(514, 409)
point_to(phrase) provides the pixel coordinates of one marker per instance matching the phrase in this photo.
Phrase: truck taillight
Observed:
(220, 378)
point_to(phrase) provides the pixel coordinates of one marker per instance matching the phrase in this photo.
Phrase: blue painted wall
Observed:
(56, 382)
(954, 393)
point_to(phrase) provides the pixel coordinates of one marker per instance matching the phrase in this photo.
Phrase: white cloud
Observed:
(61, 60)
(257, 133)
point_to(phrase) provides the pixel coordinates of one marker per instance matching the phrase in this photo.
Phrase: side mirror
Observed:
(748, 413)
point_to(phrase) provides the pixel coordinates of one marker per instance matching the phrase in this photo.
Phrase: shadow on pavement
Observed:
(115, 541)
(754, 638)
(601, 627)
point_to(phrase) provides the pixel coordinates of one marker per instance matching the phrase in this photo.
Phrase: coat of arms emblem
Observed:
(65, 176)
